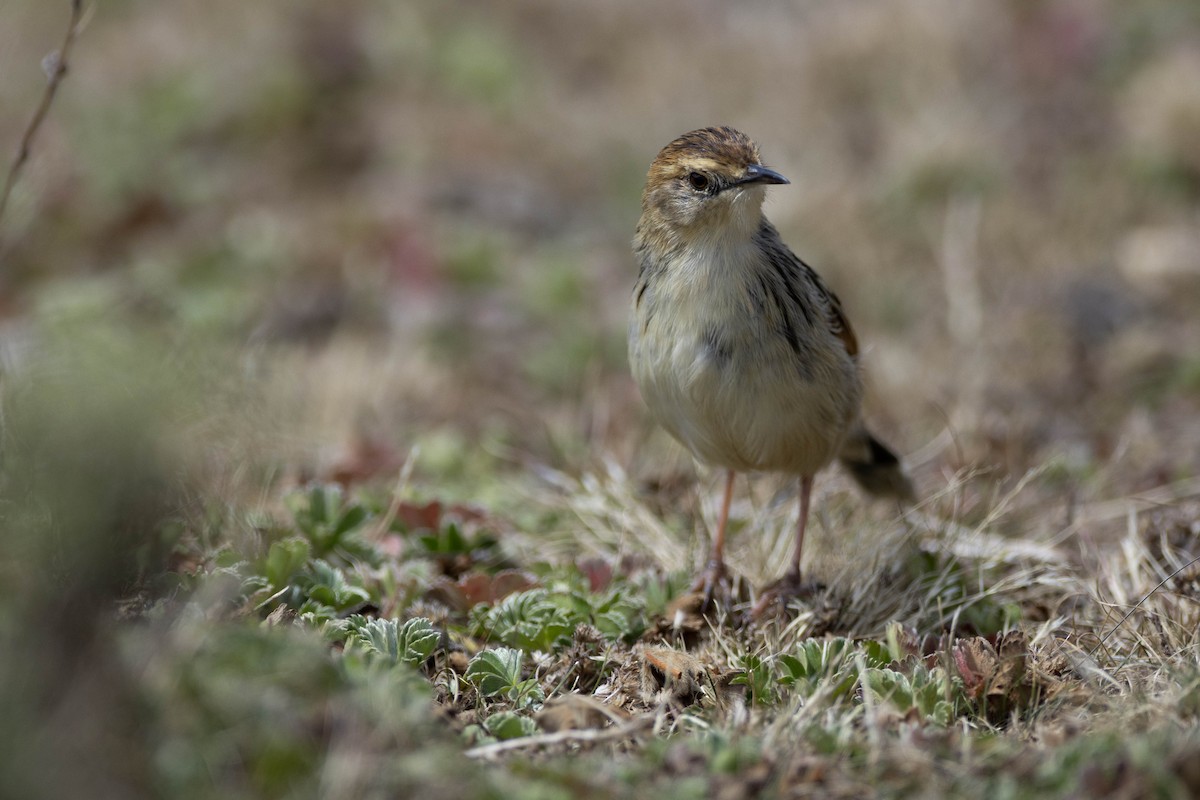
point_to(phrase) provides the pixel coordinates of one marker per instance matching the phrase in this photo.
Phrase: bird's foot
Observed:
(778, 594)
(713, 584)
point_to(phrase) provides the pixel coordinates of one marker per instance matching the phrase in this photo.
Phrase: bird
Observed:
(737, 346)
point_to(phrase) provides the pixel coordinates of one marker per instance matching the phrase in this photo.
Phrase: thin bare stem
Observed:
(629, 729)
(58, 71)
(1138, 605)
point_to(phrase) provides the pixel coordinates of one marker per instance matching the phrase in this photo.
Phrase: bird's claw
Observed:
(714, 578)
(781, 591)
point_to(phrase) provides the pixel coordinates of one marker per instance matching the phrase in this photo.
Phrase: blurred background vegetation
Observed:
(262, 242)
(416, 216)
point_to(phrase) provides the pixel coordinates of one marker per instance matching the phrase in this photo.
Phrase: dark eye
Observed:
(698, 182)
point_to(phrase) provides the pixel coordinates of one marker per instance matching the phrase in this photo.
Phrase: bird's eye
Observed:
(698, 181)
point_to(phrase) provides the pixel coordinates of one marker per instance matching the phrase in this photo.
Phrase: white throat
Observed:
(731, 226)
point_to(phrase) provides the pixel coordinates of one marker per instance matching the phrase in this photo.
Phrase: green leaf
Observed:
(351, 518)
(756, 676)
(320, 498)
(528, 620)
(228, 558)
(411, 643)
(449, 541)
(328, 521)
(614, 625)
(876, 654)
(794, 670)
(819, 662)
(326, 584)
(617, 614)
(315, 614)
(285, 559)
(895, 641)
(419, 639)
(889, 686)
(507, 725)
(495, 671)
(930, 692)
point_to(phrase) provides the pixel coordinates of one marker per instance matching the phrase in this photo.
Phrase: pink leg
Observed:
(715, 569)
(790, 584)
(805, 493)
(718, 549)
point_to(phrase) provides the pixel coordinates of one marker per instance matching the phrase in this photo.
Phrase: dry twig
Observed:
(627, 730)
(57, 68)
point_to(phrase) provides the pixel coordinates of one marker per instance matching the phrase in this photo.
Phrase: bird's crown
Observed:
(722, 151)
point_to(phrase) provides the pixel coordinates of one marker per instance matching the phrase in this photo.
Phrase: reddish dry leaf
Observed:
(598, 572)
(420, 516)
(364, 458)
(510, 581)
(474, 588)
(429, 516)
(477, 587)
(976, 661)
(1013, 648)
(995, 672)
(480, 588)
(906, 640)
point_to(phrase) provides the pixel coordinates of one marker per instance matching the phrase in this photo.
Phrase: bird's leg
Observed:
(793, 575)
(714, 571)
(790, 585)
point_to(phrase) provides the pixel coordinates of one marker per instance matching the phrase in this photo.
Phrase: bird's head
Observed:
(713, 178)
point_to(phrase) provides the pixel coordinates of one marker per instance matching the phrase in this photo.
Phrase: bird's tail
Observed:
(875, 467)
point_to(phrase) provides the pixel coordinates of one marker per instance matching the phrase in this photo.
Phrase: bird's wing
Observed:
(802, 283)
(838, 323)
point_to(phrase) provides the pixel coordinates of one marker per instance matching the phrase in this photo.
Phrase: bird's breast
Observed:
(715, 371)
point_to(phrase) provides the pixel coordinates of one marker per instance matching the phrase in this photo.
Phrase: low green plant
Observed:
(410, 642)
(932, 693)
(497, 673)
(540, 619)
(756, 675)
(285, 560)
(526, 620)
(508, 725)
(814, 662)
(332, 524)
(449, 544)
(327, 585)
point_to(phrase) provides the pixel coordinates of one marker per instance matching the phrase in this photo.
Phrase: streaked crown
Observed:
(722, 150)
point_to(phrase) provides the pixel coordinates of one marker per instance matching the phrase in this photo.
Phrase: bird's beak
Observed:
(757, 173)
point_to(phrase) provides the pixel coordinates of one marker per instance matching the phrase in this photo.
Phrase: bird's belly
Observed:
(749, 406)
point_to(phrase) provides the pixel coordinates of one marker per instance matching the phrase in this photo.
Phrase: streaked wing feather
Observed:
(840, 325)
